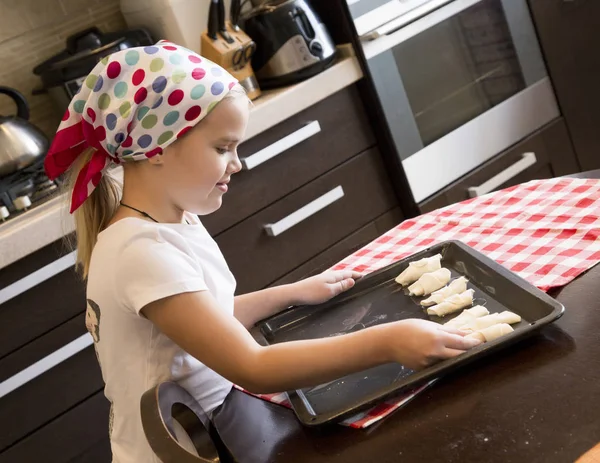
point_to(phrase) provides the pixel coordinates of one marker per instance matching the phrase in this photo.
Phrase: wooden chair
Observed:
(167, 402)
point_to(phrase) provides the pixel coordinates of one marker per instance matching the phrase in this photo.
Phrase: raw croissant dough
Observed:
(418, 268)
(429, 282)
(468, 315)
(452, 304)
(490, 320)
(492, 332)
(455, 287)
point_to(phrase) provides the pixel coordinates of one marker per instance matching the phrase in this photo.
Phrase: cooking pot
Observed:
(21, 143)
(63, 73)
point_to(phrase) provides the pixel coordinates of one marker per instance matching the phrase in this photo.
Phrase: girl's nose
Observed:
(235, 165)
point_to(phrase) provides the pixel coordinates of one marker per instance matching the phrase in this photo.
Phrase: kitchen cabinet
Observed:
(358, 194)
(338, 157)
(78, 435)
(569, 32)
(58, 412)
(343, 248)
(293, 153)
(545, 154)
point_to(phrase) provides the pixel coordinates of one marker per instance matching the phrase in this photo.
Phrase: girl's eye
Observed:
(221, 150)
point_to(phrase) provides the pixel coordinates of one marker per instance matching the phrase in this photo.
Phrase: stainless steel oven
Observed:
(459, 81)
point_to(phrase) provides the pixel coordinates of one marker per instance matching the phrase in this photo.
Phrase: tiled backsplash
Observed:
(32, 31)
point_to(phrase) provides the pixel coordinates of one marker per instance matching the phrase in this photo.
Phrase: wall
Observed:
(32, 31)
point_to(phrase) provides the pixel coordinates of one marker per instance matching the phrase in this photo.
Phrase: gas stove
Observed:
(25, 190)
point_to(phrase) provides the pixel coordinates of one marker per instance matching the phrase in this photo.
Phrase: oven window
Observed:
(459, 68)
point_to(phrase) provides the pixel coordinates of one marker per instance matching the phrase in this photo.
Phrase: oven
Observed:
(459, 81)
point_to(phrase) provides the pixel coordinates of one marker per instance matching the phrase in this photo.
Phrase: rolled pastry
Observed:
(455, 287)
(491, 333)
(467, 315)
(493, 319)
(419, 267)
(509, 317)
(481, 323)
(452, 304)
(429, 282)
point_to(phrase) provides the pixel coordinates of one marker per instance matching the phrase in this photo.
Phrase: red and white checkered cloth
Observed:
(546, 231)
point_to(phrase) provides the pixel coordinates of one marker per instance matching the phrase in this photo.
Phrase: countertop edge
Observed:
(50, 222)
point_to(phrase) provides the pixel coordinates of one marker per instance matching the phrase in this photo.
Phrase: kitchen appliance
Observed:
(227, 45)
(25, 189)
(63, 74)
(179, 21)
(21, 143)
(292, 43)
(458, 81)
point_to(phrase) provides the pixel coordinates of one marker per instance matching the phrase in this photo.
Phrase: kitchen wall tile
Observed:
(73, 6)
(32, 31)
(41, 13)
(12, 23)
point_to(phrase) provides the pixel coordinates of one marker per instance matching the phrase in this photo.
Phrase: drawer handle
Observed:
(275, 229)
(526, 161)
(284, 144)
(37, 277)
(43, 365)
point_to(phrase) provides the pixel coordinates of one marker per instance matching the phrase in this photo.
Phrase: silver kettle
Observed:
(21, 143)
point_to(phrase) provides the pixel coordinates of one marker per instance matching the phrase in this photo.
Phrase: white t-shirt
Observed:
(134, 263)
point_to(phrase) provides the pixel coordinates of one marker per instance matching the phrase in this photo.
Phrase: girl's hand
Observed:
(320, 288)
(417, 344)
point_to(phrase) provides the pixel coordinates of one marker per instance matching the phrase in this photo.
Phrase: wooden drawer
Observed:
(344, 248)
(569, 37)
(79, 435)
(317, 140)
(552, 156)
(40, 309)
(257, 259)
(61, 370)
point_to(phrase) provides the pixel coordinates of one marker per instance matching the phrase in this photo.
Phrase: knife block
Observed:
(221, 53)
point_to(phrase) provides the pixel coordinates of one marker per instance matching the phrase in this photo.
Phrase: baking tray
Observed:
(377, 298)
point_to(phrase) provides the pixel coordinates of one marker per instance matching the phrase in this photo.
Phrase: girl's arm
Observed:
(199, 326)
(252, 307)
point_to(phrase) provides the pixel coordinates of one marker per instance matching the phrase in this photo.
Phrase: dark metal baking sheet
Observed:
(377, 298)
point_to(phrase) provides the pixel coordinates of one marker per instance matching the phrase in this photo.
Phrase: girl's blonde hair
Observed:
(96, 212)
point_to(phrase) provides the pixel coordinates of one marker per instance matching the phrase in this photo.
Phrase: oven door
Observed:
(458, 86)
(371, 15)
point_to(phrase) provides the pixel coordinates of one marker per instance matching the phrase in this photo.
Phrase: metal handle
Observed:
(45, 364)
(527, 160)
(275, 229)
(281, 145)
(412, 22)
(20, 101)
(37, 277)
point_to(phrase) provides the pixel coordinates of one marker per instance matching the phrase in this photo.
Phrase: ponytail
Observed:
(94, 214)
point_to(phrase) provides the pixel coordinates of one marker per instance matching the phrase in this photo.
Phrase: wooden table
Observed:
(537, 401)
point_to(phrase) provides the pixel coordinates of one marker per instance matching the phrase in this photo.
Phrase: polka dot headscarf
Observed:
(133, 105)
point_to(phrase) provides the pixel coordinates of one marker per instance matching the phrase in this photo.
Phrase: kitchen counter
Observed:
(50, 221)
(535, 401)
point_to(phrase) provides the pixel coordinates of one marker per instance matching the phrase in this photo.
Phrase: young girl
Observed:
(161, 302)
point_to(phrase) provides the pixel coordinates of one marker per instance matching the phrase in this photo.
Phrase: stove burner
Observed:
(31, 182)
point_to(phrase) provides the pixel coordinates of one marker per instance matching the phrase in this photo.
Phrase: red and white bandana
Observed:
(134, 104)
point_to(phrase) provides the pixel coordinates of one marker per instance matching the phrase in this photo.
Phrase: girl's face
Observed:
(197, 169)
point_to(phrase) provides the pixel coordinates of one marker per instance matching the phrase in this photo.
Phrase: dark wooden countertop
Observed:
(537, 401)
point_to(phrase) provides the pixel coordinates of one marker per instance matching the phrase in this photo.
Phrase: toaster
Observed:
(292, 43)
